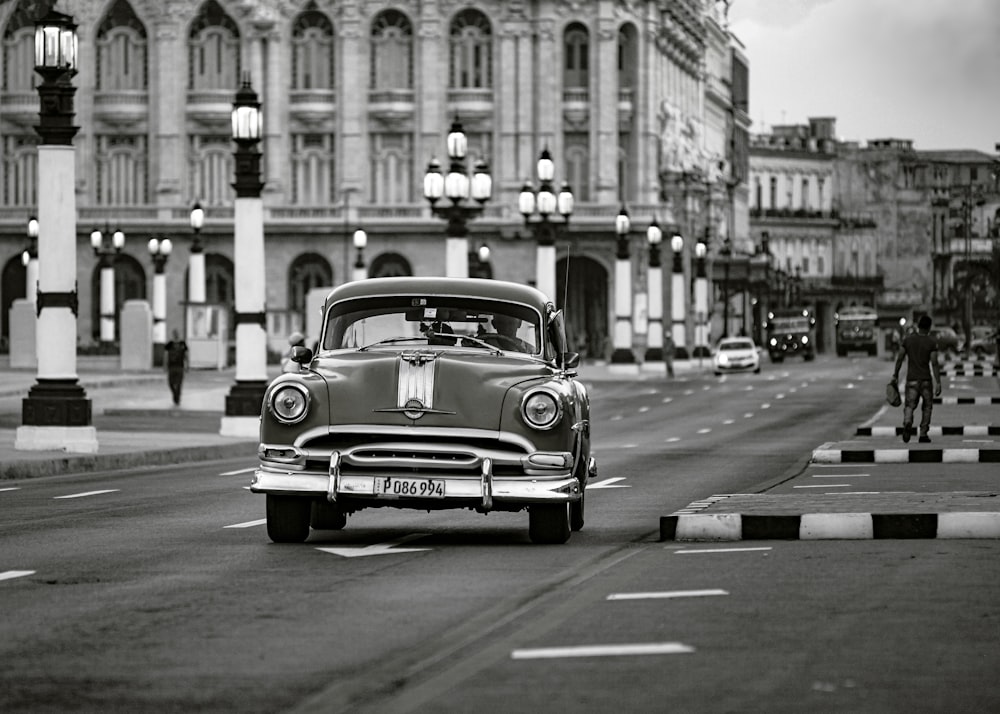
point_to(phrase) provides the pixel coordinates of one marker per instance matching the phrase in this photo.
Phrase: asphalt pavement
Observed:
(949, 488)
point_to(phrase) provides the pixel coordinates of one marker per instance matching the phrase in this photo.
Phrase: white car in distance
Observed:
(736, 354)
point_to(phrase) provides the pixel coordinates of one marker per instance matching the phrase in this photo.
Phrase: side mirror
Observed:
(570, 360)
(302, 355)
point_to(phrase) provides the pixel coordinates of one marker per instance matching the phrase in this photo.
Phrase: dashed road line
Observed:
(11, 488)
(654, 648)
(11, 574)
(670, 594)
(88, 493)
(719, 550)
(248, 524)
(237, 472)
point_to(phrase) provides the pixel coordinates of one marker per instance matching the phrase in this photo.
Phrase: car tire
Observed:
(288, 518)
(576, 512)
(549, 523)
(757, 371)
(327, 516)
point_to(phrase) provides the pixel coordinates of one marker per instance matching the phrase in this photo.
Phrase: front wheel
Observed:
(549, 523)
(288, 518)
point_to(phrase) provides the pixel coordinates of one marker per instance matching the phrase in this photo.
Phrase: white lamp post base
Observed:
(72, 439)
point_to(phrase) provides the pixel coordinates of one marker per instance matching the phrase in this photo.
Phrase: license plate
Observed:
(409, 487)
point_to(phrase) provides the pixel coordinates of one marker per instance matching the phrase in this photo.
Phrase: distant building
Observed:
(633, 100)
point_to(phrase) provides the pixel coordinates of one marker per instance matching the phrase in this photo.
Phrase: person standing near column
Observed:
(176, 363)
(922, 374)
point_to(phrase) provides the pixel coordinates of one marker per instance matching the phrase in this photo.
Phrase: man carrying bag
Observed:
(922, 375)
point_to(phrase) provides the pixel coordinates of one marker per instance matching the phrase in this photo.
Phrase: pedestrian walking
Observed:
(176, 364)
(668, 352)
(922, 375)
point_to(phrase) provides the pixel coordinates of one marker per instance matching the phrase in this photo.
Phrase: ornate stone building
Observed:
(357, 98)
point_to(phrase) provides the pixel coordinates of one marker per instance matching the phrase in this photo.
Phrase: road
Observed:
(157, 589)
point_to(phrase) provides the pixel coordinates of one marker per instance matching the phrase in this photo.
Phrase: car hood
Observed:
(424, 388)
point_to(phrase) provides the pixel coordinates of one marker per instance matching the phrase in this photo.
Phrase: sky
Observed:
(926, 70)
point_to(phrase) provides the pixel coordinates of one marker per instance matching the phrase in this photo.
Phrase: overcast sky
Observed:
(927, 70)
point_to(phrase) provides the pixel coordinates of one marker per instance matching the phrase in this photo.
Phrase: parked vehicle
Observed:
(791, 331)
(947, 339)
(428, 394)
(856, 330)
(736, 354)
(984, 341)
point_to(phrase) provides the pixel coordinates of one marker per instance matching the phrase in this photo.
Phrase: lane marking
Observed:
(765, 406)
(665, 595)
(826, 485)
(667, 400)
(643, 410)
(672, 439)
(704, 431)
(602, 650)
(727, 421)
(11, 574)
(838, 475)
(720, 550)
(360, 551)
(609, 483)
(748, 415)
(238, 471)
(248, 524)
(11, 488)
(88, 493)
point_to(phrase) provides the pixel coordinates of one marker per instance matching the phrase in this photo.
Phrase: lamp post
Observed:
(196, 261)
(678, 299)
(623, 292)
(160, 250)
(244, 400)
(726, 252)
(458, 189)
(545, 202)
(654, 280)
(360, 241)
(56, 414)
(106, 251)
(700, 302)
(29, 259)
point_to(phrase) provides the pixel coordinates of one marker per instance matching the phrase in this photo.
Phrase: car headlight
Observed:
(541, 409)
(805, 339)
(723, 359)
(774, 342)
(289, 403)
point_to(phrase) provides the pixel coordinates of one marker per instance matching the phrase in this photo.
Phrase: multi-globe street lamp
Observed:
(546, 203)
(107, 246)
(457, 187)
(246, 395)
(654, 282)
(360, 240)
(29, 259)
(700, 302)
(727, 253)
(159, 250)
(56, 414)
(622, 341)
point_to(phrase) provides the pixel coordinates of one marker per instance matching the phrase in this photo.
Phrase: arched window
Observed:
(392, 168)
(390, 265)
(312, 50)
(19, 51)
(392, 51)
(471, 51)
(121, 50)
(213, 50)
(307, 271)
(130, 284)
(576, 57)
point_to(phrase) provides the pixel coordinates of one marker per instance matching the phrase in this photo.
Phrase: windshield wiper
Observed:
(390, 341)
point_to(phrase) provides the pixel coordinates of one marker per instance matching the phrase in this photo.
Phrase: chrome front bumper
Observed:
(485, 490)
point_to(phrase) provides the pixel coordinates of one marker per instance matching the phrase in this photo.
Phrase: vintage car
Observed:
(428, 393)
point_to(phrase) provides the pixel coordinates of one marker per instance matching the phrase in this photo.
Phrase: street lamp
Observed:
(678, 299)
(160, 250)
(700, 302)
(29, 259)
(196, 261)
(654, 343)
(246, 395)
(545, 202)
(726, 252)
(360, 241)
(623, 292)
(106, 248)
(56, 414)
(458, 189)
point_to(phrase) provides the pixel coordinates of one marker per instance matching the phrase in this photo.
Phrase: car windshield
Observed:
(790, 324)
(736, 345)
(430, 320)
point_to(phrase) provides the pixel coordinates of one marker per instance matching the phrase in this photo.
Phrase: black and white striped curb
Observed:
(828, 526)
(972, 372)
(827, 454)
(967, 400)
(969, 430)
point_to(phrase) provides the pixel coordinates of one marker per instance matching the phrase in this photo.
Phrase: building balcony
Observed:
(470, 105)
(122, 108)
(212, 108)
(315, 108)
(20, 107)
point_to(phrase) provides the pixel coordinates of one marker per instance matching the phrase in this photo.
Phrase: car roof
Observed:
(441, 286)
(738, 340)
